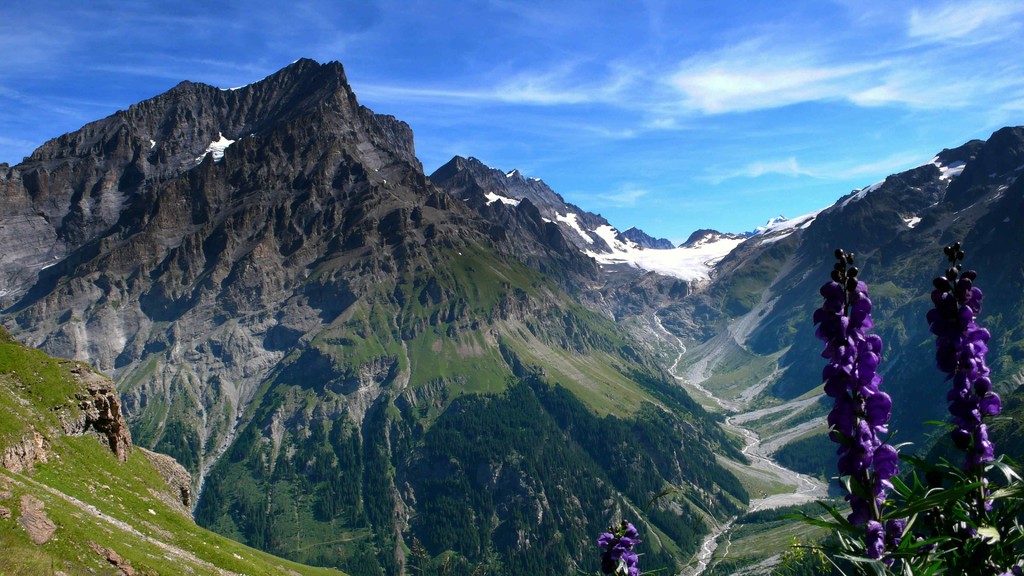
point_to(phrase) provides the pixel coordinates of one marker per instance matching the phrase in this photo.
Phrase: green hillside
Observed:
(459, 419)
(89, 512)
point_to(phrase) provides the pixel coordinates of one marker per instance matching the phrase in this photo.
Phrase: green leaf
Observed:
(928, 542)
(1015, 490)
(935, 499)
(843, 522)
(900, 487)
(1006, 470)
(662, 494)
(876, 567)
(813, 521)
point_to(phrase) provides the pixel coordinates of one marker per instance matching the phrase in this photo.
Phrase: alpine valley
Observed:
(366, 368)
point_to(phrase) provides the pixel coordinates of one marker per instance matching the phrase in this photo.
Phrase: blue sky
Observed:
(670, 116)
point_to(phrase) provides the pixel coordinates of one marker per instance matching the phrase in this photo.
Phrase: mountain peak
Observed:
(174, 128)
(306, 70)
(707, 235)
(645, 240)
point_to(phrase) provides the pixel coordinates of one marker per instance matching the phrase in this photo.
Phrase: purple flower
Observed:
(874, 541)
(894, 532)
(960, 348)
(860, 410)
(617, 544)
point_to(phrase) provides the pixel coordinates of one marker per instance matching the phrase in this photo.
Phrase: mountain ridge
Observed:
(299, 319)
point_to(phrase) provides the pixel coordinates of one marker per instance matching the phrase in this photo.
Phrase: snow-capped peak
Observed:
(571, 218)
(778, 228)
(514, 172)
(771, 223)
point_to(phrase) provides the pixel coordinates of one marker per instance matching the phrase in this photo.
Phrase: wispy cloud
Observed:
(824, 171)
(921, 69)
(761, 74)
(538, 88)
(222, 73)
(784, 167)
(975, 22)
(625, 196)
(891, 164)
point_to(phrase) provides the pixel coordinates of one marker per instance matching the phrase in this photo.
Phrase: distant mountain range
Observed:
(365, 367)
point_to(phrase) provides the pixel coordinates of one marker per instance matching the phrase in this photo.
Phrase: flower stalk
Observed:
(860, 412)
(960, 347)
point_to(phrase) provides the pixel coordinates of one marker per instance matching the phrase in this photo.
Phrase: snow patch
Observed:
(610, 235)
(690, 263)
(51, 264)
(152, 143)
(948, 172)
(912, 221)
(571, 220)
(217, 147)
(514, 172)
(492, 198)
(772, 222)
(860, 194)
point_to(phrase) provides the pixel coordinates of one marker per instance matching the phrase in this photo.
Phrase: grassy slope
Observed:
(94, 499)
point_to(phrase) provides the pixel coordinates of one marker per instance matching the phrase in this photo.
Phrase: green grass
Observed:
(733, 369)
(776, 423)
(594, 378)
(132, 520)
(467, 359)
(33, 387)
(754, 481)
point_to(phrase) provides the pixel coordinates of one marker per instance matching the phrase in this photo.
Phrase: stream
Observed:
(804, 488)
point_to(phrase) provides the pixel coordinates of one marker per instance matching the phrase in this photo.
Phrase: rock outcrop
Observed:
(101, 412)
(177, 478)
(34, 520)
(22, 456)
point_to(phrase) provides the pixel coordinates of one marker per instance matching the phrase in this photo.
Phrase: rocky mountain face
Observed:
(488, 190)
(360, 367)
(148, 247)
(89, 406)
(635, 274)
